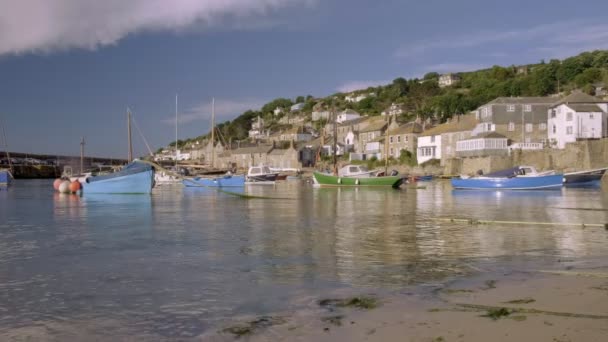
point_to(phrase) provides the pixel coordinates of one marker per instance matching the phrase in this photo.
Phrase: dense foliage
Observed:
(424, 97)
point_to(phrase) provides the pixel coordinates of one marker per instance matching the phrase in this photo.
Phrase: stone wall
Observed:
(581, 155)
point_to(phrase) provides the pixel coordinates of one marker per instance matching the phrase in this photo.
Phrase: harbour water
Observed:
(183, 262)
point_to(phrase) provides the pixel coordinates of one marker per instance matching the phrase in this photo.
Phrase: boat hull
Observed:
(135, 178)
(218, 182)
(512, 183)
(269, 178)
(590, 178)
(322, 179)
(5, 177)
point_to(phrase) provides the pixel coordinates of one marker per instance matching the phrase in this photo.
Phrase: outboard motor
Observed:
(394, 172)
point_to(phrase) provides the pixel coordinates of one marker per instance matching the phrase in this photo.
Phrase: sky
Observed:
(71, 68)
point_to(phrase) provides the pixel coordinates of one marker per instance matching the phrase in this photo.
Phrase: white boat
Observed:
(261, 175)
(356, 171)
(165, 178)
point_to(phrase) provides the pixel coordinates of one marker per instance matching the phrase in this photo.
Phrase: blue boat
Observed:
(517, 178)
(5, 177)
(587, 178)
(135, 178)
(221, 182)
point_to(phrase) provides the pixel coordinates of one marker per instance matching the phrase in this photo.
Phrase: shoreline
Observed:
(551, 304)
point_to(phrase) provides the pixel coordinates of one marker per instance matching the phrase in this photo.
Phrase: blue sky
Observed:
(70, 68)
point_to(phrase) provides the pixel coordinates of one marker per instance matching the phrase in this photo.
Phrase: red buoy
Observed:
(57, 183)
(74, 186)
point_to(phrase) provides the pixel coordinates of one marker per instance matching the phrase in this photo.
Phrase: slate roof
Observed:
(522, 100)
(457, 124)
(578, 97)
(585, 108)
(374, 126)
(410, 127)
(253, 149)
(491, 135)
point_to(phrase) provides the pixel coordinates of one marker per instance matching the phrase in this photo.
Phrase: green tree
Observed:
(431, 76)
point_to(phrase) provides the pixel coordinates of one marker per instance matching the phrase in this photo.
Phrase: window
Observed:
(529, 127)
(391, 152)
(511, 126)
(353, 169)
(527, 108)
(432, 138)
(542, 126)
(569, 116)
(488, 127)
(510, 108)
(391, 140)
(398, 138)
(484, 112)
(591, 116)
(569, 130)
(553, 129)
(552, 113)
(405, 138)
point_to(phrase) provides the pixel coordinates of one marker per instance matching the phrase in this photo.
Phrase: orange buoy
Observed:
(74, 186)
(64, 187)
(57, 183)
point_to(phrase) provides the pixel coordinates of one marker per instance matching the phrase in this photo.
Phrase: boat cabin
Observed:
(356, 171)
(258, 171)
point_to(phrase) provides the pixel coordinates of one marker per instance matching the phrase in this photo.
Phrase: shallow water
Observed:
(181, 262)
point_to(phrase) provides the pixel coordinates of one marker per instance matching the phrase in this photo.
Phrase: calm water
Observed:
(183, 261)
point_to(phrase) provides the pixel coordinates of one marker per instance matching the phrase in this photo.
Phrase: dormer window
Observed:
(510, 108)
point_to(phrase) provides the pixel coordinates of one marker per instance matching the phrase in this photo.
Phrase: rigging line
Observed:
(8, 156)
(142, 135)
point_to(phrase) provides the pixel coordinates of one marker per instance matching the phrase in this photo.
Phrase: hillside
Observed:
(424, 97)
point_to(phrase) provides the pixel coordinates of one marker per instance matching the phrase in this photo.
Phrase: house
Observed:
(440, 142)
(523, 120)
(245, 157)
(351, 126)
(320, 112)
(354, 98)
(347, 115)
(394, 109)
(278, 111)
(447, 80)
(575, 117)
(284, 158)
(600, 90)
(374, 148)
(370, 132)
(403, 138)
(297, 107)
(483, 144)
(296, 134)
(257, 129)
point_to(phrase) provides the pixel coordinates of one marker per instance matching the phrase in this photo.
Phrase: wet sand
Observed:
(558, 305)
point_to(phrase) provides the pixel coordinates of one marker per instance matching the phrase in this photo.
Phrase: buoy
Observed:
(57, 183)
(64, 187)
(357, 181)
(74, 186)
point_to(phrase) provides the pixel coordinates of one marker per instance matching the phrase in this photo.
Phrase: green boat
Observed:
(355, 175)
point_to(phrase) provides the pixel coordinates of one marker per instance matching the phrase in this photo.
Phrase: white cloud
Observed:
(225, 109)
(559, 38)
(49, 25)
(349, 86)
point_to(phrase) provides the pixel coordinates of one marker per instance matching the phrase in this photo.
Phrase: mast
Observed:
(176, 154)
(130, 158)
(81, 155)
(213, 132)
(8, 155)
(386, 147)
(335, 141)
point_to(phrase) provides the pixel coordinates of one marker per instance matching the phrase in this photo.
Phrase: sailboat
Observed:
(136, 177)
(5, 173)
(227, 180)
(165, 178)
(354, 175)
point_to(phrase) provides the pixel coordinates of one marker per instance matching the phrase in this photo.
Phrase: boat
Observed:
(425, 178)
(5, 177)
(356, 175)
(586, 178)
(287, 173)
(227, 180)
(165, 178)
(516, 178)
(135, 178)
(261, 175)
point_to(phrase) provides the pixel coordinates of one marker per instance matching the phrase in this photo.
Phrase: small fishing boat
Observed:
(517, 178)
(135, 178)
(227, 180)
(586, 178)
(261, 175)
(165, 178)
(356, 175)
(5, 177)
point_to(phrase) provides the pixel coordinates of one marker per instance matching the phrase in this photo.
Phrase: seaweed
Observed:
(521, 301)
(335, 320)
(248, 328)
(359, 302)
(498, 313)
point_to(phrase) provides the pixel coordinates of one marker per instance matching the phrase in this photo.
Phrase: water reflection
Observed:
(175, 263)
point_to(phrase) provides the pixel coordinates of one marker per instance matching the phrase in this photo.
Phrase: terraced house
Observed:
(523, 120)
(403, 138)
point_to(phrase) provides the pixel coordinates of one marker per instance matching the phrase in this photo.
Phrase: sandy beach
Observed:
(560, 305)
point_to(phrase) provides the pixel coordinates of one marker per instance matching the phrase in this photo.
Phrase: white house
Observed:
(297, 107)
(278, 111)
(394, 109)
(347, 115)
(257, 128)
(447, 80)
(357, 98)
(577, 116)
(429, 147)
(350, 140)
